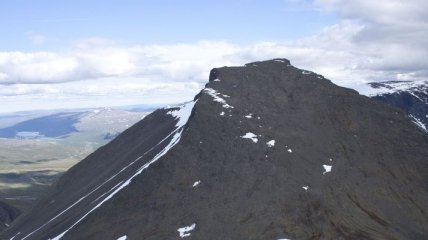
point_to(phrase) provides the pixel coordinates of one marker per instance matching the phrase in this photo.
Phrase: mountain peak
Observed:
(265, 151)
(277, 61)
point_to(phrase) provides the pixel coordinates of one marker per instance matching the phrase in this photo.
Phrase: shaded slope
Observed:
(8, 213)
(90, 182)
(341, 166)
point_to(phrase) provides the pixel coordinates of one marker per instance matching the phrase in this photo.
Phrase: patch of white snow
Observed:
(123, 238)
(195, 184)
(15, 236)
(213, 93)
(182, 113)
(419, 123)
(271, 143)
(327, 168)
(388, 88)
(185, 231)
(252, 136)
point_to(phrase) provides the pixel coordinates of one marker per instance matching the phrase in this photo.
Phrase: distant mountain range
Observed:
(37, 147)
(61, 124)
(55, 125)
(264, 151)
(410, 96)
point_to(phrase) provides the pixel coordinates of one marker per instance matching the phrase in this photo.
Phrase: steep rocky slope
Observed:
(266, 151)
(8, 213)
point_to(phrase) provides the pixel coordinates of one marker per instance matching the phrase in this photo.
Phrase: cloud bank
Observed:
(372, 41)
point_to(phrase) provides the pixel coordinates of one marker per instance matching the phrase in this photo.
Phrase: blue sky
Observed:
(86, 53)
(147, 22)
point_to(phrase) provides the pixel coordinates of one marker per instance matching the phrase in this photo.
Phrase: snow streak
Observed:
(182, 114)
(216, 95)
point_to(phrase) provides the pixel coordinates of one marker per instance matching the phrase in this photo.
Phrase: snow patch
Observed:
(252, 136)
(271, 143)
(222, 114)
(123, 238)
(382, 88)
(15, 236)
(249, 115)
(306, 188)
(195, 184)
(327, 168)
(185, 231)
(419, 123)
(289, 150)
(213, 93)
(216, 80)
(182, 113)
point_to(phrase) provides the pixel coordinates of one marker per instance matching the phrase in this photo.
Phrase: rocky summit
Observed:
(264, 151)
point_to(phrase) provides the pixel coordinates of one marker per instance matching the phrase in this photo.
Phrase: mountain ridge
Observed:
(269, 151)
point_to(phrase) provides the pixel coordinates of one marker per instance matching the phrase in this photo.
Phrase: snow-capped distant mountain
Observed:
(265, 151)
(410, 96)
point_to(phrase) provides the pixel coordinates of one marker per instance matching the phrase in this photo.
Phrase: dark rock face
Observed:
(7, 215)
(269, 152)
(411, 97)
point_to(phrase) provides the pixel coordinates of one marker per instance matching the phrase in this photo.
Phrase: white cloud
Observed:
(392, 38)
(372, 41)
(175, 62)
(3, 76)
(39, 67)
